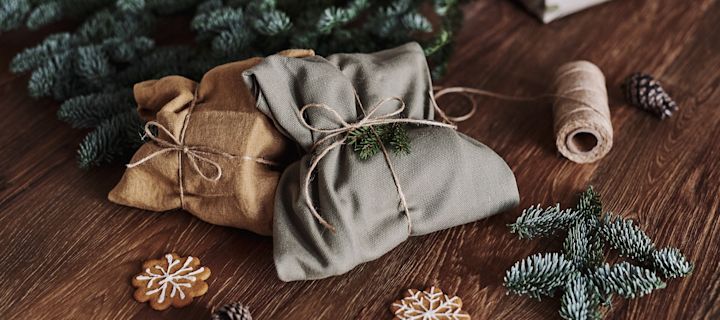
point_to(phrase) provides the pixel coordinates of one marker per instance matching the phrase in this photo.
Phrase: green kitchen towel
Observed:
(448, 178)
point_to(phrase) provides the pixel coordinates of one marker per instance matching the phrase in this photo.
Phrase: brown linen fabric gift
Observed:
(217, 133)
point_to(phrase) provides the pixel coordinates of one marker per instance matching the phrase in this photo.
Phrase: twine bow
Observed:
(194, 154)
(369, 119)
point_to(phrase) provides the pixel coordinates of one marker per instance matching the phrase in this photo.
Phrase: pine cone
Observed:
(232, 311)
(641, 90)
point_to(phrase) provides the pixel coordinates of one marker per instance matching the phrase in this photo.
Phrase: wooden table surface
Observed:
(67, 252)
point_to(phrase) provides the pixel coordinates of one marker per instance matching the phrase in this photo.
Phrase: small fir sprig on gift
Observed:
(366, 141)
(580, 272)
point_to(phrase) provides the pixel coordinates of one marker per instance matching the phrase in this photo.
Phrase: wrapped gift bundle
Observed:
(264, 145)
(211, 152)
(334, 210)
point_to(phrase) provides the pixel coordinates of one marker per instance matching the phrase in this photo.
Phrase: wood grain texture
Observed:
(67, 253)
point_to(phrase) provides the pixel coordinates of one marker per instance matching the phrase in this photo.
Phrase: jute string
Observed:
(194, 154)
(579, 96)
(580, 110)
(580, 107)
(369, 119)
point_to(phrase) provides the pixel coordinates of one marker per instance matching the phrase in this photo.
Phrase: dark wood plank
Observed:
(66, 252)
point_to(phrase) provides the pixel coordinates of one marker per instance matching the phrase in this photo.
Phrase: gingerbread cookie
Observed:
(171, 281)
(429, 304)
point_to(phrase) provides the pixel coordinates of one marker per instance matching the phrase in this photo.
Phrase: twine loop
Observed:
(369, 119)
(195, 154)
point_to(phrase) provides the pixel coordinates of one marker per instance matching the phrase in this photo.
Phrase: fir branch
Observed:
(591, 283)
(89, 111)
(54, 78)
(218, 20)
(415, 22)
(398, 139)
(626, 237)
(113, 49)
(12, 13)
(580, 300)
(272, 23)
(335, 17)
(123, 50)
(539, 275)
(626, 280)
(583, 245)
(589, 204)
(111, 139)
(32, 58)
(131, 5)
(671, 263)
(44, 14)
(93, 65)
(536, 222)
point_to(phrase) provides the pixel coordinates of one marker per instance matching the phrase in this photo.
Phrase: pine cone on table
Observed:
(643, 91)
(232, 311)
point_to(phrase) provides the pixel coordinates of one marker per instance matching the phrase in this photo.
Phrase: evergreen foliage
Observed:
(538, 222)
(113, 48)
(671, 263)
(625, 237)
(580, 272)
(108, 141)
(366, 141)
(626, 280)
(539, 275)
(91, 110)
(589, 204)
(12, 13)
(583, 246)
(580, 299)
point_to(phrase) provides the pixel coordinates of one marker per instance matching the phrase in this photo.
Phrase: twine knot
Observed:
(195, 154)
(369, 119)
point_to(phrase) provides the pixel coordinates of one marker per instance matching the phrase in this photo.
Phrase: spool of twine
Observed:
(583, 131)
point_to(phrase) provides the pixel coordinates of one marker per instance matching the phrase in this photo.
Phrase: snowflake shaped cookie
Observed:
(172, 280)
(431, 304)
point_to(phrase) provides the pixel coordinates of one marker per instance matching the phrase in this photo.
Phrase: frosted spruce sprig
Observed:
(587, 282)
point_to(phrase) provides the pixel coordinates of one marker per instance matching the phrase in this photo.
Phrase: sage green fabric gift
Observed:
(448, 178)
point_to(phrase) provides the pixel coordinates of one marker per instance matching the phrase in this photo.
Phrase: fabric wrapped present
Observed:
(210, 151)
(352, 211)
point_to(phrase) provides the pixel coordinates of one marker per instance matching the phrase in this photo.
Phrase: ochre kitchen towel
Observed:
(218, 114)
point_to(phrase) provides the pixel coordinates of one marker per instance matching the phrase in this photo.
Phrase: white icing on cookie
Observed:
(168, 276)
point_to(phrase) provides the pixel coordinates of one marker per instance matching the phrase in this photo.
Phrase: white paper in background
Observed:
(549, 10)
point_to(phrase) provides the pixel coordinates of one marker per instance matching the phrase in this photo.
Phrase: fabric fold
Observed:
(448, 179)
(217, 120)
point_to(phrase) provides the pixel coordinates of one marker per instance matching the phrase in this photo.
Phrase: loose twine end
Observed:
(369, 119)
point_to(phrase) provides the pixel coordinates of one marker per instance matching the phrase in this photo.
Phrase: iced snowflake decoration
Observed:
(431, 304)
(171, 281)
